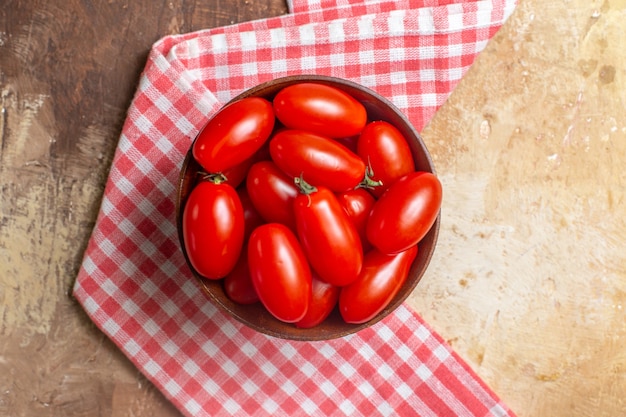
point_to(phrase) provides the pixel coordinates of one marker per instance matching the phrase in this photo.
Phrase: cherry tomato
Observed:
(323, 301)
(280, 272)
(320, 160)
(321, 109)
(213, 229)
(330, 240)
(251, 217)
(349, 142)
(237, 174)
(386, 151)
(238, 284)
(234, 134)
(405, 212)
(358, 203)
(378, 283)
(272, 192)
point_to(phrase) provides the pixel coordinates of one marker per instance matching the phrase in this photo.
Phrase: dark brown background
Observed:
(528, 282)
(68, 71)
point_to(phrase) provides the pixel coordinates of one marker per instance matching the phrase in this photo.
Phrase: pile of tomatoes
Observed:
(304, 204)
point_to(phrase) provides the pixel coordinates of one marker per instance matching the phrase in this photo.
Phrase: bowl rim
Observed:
(268, 89)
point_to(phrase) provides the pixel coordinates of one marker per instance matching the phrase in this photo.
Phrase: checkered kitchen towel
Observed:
(134, 283)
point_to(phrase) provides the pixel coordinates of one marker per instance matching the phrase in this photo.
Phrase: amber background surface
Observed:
(528, 283)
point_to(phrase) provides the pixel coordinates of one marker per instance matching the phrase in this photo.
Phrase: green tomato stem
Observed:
(215, 178)
(368, 182)
(303, 186)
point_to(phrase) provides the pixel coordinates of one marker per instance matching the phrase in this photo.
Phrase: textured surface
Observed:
(68, 70)
(134, 282)
(529, 281)
(527, 285)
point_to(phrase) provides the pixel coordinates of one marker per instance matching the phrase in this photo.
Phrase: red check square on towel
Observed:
(136, 287)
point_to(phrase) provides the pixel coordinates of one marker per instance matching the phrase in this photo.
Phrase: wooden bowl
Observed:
(256, 316)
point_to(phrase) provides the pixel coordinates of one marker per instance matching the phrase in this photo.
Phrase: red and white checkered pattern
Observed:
(134, 283)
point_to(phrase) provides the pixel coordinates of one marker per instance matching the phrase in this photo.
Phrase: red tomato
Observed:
(330, 240)
(236, 175)
(234, 134)
(323, 302)
(380, 280)
(405, 212)
(280, 272)
(238, 284)
(349, 142)
(321, 109)
(386, 151)
(320, 160)
(358, 203)
(213, 229)
(272, 192)
(251, 217)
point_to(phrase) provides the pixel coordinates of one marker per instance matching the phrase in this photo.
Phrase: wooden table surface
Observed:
(528, 283)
